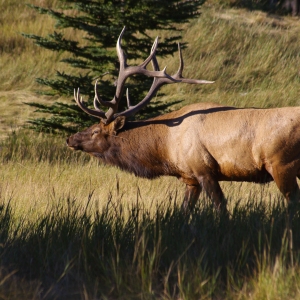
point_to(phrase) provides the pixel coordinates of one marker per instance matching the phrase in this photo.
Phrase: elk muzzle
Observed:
(73, 143)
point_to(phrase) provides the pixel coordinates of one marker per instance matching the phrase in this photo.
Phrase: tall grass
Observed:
(76, 252)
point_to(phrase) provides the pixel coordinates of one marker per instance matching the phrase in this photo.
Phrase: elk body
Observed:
(200, 144)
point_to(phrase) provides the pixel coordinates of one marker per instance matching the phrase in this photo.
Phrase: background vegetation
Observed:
(73, 229)
(92, 53)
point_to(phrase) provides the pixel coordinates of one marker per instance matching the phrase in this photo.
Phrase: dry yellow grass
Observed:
(22, 62)
(35, 187)
(14, 112)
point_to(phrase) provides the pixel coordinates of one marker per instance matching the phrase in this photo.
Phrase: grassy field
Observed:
(71, 228)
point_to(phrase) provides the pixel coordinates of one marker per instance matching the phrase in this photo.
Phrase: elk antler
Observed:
(160, 78)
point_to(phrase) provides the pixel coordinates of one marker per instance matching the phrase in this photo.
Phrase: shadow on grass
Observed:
(75, 252)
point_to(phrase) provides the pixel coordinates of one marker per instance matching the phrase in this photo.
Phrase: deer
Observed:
(201, 144)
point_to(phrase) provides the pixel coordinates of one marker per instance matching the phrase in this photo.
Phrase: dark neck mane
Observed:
(137, 151)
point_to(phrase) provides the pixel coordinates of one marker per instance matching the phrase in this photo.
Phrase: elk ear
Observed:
(118, 124)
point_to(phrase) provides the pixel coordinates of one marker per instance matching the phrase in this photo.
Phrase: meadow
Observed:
(71, 228)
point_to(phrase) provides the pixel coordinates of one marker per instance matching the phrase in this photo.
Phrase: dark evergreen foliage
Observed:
(102, 21)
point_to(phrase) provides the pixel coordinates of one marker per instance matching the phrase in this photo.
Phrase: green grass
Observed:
(71, 228)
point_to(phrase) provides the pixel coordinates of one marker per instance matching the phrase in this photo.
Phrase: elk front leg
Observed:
(285, 179)
(191, 196)
(213, 192)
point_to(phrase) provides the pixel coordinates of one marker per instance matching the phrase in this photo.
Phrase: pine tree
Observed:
(102, 22)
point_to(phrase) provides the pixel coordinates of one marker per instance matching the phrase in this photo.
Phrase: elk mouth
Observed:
(72, 147)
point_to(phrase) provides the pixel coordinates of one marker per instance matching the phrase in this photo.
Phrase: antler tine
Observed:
(157, 83)
(178, 74)
(154, 62)
(79, 100)
(122, 56)
(120, 52)
(96, 104)
(128, 99)
(151, 56)
(181, 64)
(99, 99)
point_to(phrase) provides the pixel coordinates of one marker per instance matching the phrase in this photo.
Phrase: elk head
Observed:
(98, 138)
(95, 140)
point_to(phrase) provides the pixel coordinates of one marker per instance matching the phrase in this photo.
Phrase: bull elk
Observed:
(200, 144)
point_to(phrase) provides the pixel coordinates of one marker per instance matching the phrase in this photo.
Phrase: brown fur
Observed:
(202, 144)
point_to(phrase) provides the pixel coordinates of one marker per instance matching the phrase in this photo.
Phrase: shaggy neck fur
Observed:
(139, 155)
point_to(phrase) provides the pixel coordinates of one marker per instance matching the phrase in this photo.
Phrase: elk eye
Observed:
(95, 132)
